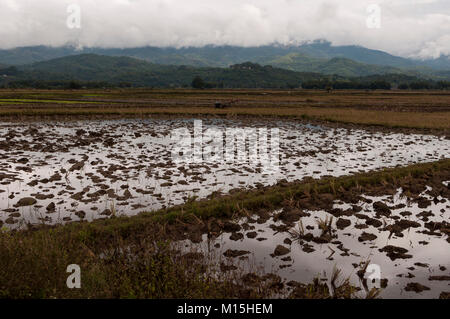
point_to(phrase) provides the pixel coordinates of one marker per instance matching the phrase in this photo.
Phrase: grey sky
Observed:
(419, 28)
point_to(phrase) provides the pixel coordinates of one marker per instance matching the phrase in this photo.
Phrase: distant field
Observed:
(26, 101)
(412, 109)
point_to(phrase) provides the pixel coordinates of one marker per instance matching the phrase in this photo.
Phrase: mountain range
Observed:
(93, 70)
(318, 56)
(135, 72)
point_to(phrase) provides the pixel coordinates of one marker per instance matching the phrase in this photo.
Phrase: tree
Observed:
(420, 85)
(198, 83)
(74, 85)
(12, 70)
(442, 85)
(380, 85)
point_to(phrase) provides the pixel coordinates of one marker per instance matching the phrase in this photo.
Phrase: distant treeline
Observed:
(72, 85)
(93, 72)
(376, 85)
(425, 85)
(199, 83)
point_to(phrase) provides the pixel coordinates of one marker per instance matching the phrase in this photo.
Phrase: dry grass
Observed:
(423, 110)
(420, 120)
(325, 225)
(33, 265)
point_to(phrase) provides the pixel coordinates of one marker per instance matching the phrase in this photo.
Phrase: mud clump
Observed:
(381, 209)
(232, 253)
(405, 224)
(281, 251)
(80, 214)
(292, 215)
(308, 248)
(22, 160)
(423, 202)
(373, 222)
(77, 166)
(26, 201)
(106, 212)
(395, 252)
(51, 208)
(230, 227)
(343, 223)
(439, 278)
(252, 234)
(424, 215)
(416, 287)
(10, 221)
(80, 132)
(367, 237)
(55, 177)
(236, 236)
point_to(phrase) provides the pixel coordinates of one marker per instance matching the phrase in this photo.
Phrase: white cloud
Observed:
(409, 27)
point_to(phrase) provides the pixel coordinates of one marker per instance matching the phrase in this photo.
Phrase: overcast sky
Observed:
(408, 27)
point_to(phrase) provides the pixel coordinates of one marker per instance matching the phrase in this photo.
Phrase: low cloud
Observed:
(418, 28)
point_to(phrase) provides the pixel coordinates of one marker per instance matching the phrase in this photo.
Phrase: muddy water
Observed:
(427, 255)
(57, 172)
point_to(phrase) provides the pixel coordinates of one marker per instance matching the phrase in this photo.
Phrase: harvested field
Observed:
(300, 194)
(422, 110)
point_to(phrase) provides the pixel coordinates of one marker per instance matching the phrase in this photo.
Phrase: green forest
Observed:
(98, 71)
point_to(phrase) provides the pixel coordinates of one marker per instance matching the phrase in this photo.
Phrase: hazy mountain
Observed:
(26, 55)
(89, 66)
(115, 70)
(203, 56)
(341, 66)
(215, 57)
(93, 70)
(298, 58)
(441, 63)
(324, 49)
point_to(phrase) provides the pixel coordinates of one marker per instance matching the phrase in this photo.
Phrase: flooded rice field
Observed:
(377, 241)
(52, 172)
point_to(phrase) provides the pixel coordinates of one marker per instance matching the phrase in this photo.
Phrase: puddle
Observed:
(306, 259)
(92, 169)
